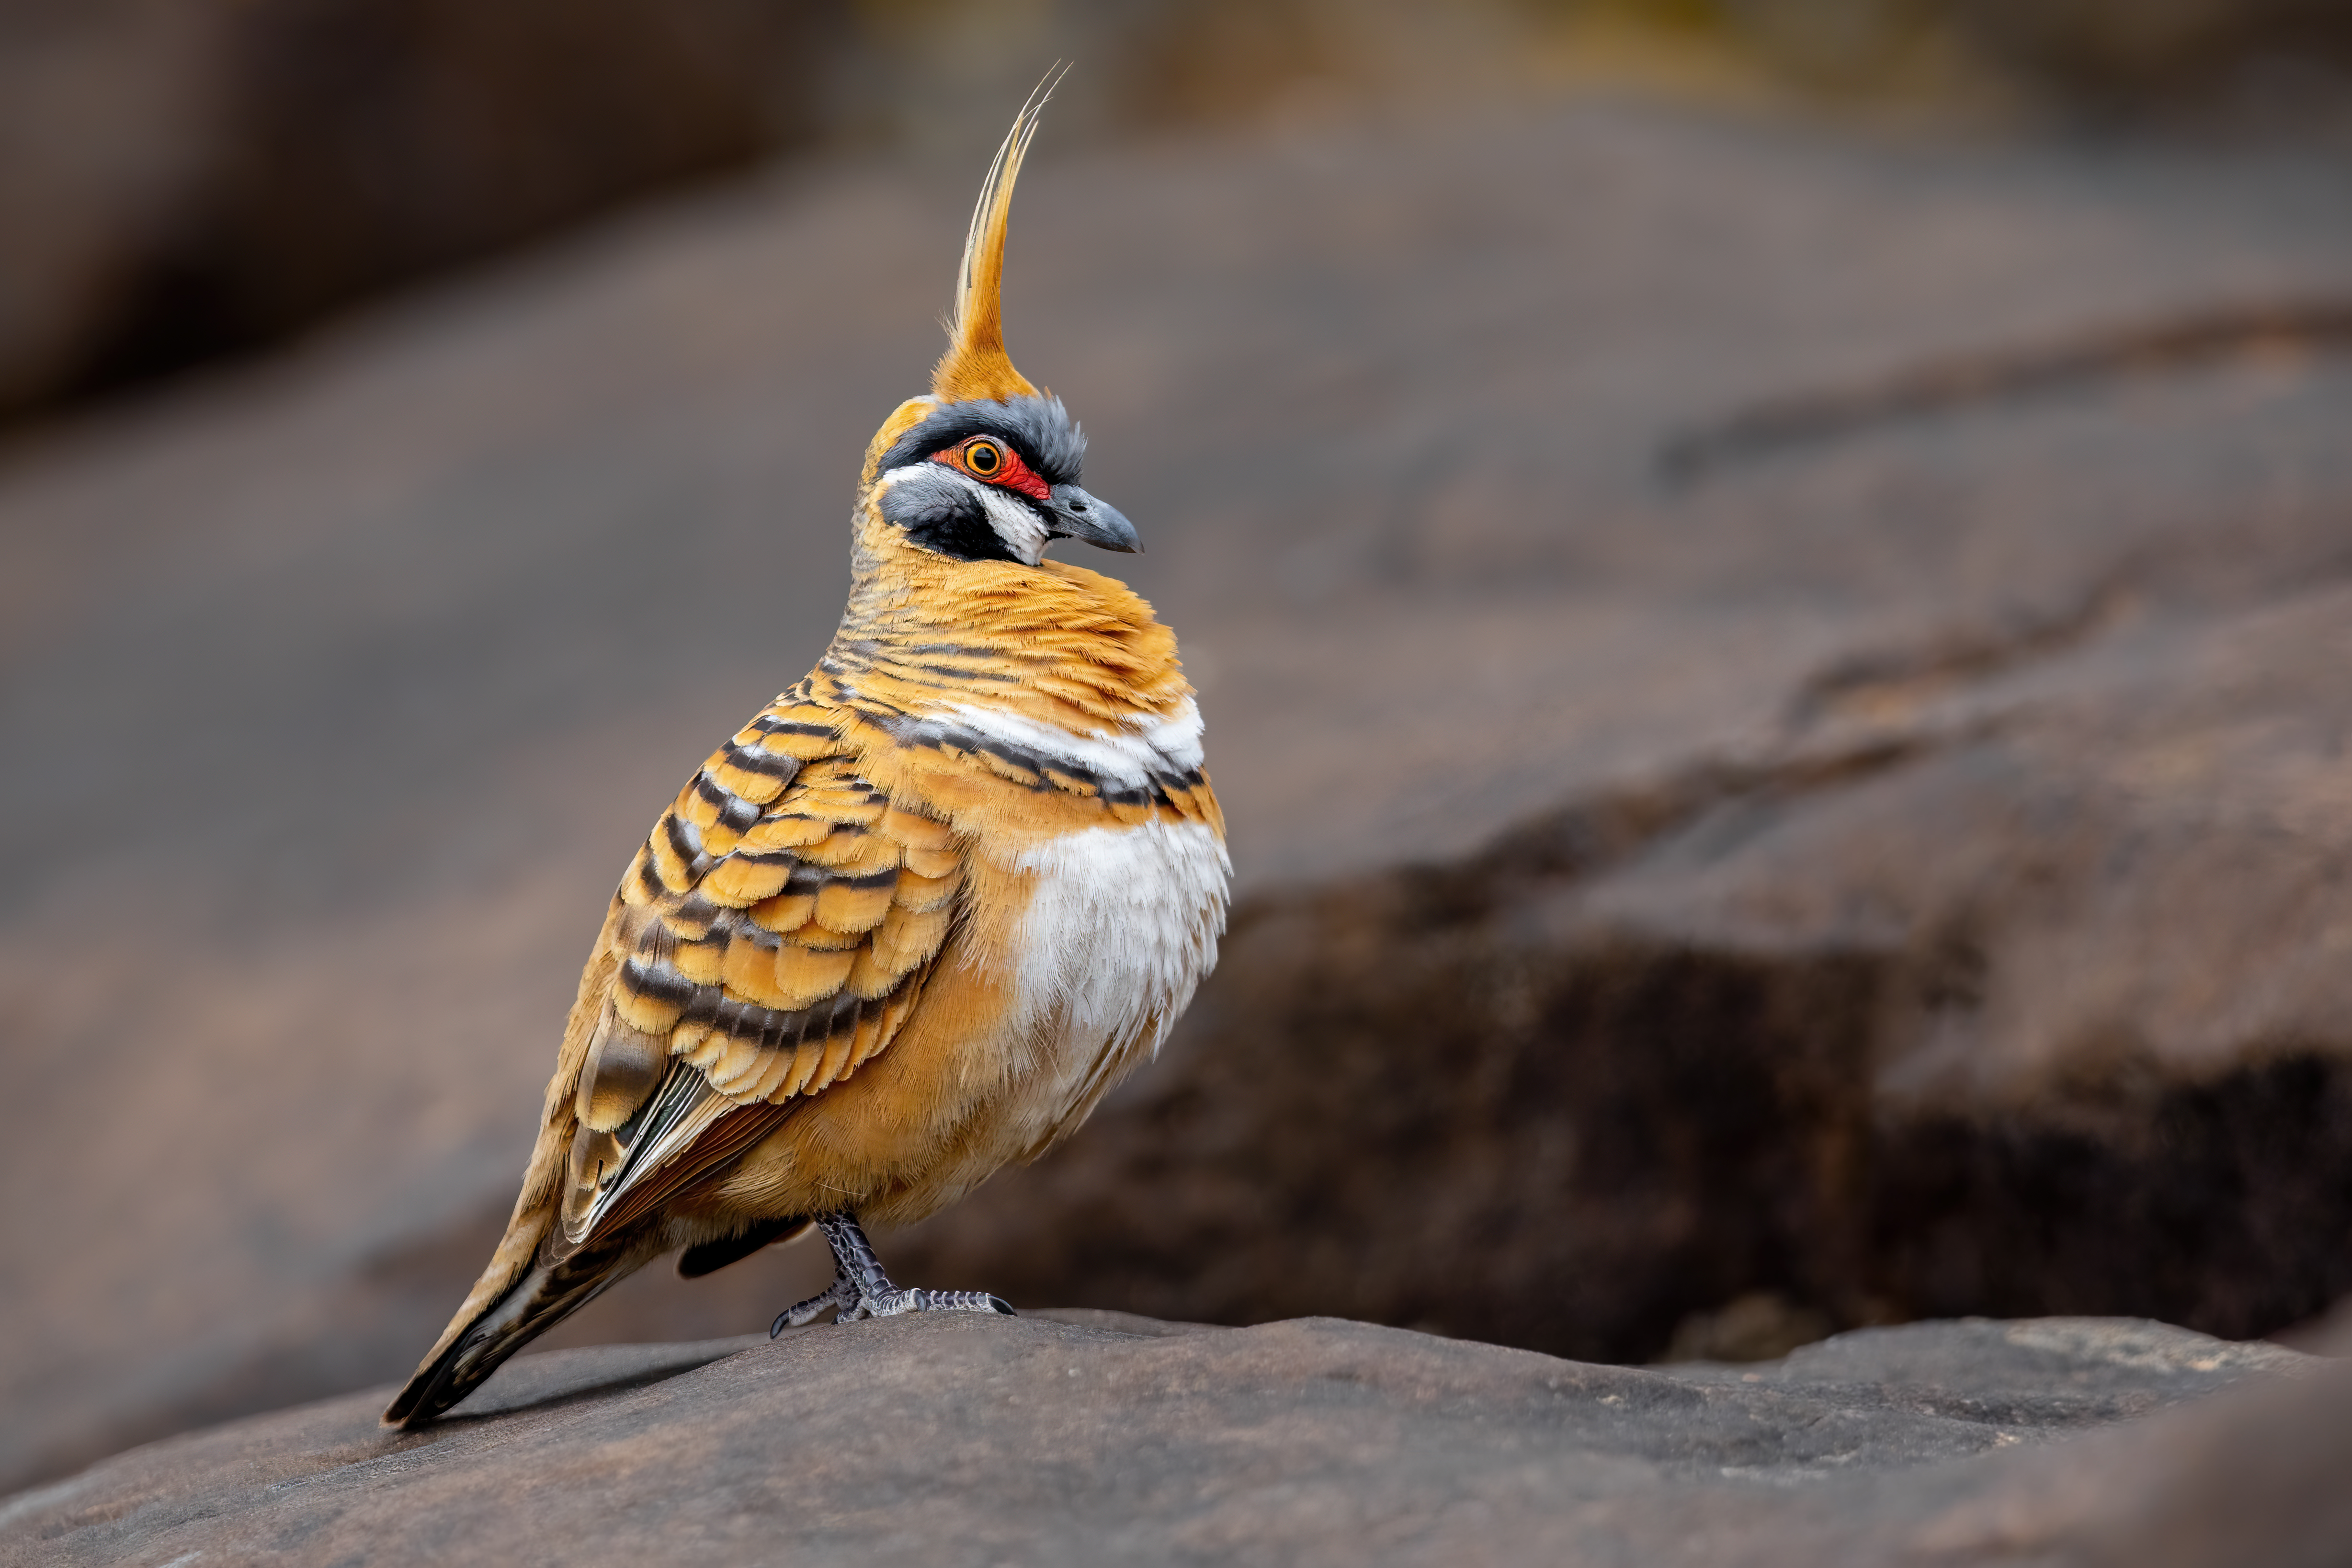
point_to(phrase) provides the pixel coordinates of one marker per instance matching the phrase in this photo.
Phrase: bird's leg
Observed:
(860, 1289)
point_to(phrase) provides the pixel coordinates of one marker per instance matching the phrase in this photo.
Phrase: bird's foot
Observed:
(861, 1290)
(892, 1303)
(837, 1294)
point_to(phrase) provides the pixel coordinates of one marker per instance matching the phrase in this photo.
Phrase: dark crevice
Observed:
(1958, 659)
(2169, 345)
(1608, 828)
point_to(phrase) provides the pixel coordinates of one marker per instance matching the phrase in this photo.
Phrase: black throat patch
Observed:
(941, 513)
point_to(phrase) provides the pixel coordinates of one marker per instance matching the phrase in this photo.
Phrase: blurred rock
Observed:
(1923, 831)
(2282, 64)
(2136, 52)
(946, 1439)
(180, 180)
(1761, 1325)
(184, 181)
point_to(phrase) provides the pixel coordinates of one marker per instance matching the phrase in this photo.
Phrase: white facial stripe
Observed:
(1019, 527)
(1128, 757)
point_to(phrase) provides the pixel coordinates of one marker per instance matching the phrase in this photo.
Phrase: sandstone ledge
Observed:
(1085, 1438)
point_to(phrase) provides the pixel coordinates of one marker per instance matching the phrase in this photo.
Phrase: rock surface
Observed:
(1101, 1439)
(1954, 824)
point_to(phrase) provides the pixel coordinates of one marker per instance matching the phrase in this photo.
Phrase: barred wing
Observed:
(772, 934)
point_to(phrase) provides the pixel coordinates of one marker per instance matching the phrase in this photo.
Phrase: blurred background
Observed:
(1771, 582)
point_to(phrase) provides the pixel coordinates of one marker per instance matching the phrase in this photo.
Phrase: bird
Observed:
(912, 921)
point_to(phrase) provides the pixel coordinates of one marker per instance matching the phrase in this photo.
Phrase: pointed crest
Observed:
(975, 365)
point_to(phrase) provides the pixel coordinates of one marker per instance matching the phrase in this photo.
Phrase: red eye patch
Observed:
(997, 463)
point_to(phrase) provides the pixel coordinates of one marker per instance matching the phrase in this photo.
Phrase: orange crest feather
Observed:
(975, 365)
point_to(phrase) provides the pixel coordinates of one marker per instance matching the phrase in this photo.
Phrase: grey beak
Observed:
(1074, 514)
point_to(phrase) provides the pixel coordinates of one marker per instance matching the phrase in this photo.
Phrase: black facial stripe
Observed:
(941, 513)
(961, 531)
(1038, 428)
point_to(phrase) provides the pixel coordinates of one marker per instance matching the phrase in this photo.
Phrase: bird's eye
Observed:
(984, 457)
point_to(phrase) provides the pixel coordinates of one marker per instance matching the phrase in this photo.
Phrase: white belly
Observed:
(1121, 926)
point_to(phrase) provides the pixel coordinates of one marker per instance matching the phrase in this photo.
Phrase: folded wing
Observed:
(772, 935)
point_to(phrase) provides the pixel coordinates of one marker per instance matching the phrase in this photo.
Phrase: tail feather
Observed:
(710, 1257)
(542, 1298)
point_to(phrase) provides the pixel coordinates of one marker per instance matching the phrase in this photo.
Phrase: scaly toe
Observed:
(897, 1303)
(837, 1294)
(964, 1302)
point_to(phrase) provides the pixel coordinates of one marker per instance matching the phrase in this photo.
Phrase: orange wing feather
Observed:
(764, 949)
